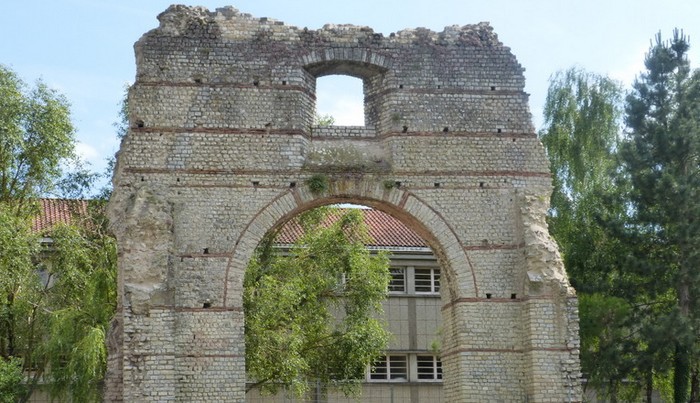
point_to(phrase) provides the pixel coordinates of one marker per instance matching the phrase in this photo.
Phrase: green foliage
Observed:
(36, 142)
(11, 380)
(389, 184)
(78, 356)
(605, 339)
(122, 125)
(582, 130)
(623, 212)
(84, 296)
(19, 282)
(56, 299)
(582, 127)
(663, 383)
(323, 120)
(56, 303)
(318, 183)
(311, 313)
(622, 336)
(661, 160)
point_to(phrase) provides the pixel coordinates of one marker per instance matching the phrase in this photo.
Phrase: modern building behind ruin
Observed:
(410, 370)
(221, 150)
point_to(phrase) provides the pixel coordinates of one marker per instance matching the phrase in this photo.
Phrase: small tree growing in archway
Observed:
(311, 314)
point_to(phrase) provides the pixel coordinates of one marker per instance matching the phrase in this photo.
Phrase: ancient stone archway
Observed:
(220, 150)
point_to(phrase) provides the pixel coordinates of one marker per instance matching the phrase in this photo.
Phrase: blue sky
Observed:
(84, 48)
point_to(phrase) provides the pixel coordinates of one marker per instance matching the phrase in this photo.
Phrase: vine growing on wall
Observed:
(318, 183)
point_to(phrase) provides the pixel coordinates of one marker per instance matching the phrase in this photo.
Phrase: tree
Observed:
(17, 278)
(606, 357)
(323, 120)
(55, 300)
(311, 313)
(583, 114)
(83, 301)
(661, 158)
(54, 315)
(10, 380)
(582, 117)
(37, 143)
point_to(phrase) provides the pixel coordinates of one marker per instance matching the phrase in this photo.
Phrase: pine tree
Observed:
(660, 159)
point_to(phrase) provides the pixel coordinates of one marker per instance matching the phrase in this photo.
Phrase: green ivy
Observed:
(318, 183)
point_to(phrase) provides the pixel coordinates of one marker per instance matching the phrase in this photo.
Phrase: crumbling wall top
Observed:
(230, 23)
(258, 73)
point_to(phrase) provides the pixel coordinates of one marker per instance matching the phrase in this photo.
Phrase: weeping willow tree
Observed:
(56, 300)
(82, 302)
(582, 132)
(311, 314)
(55, 305)
(582, 119)
(17, 280)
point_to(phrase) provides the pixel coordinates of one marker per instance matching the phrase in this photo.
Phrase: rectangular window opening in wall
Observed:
(427, 280)
(390, 368)
(397, 284)
(429, 368)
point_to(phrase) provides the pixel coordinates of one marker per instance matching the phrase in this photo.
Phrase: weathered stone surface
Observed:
(545, 266)
(219, 151)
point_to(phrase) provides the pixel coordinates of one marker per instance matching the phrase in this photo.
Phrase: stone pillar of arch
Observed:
(219, 152)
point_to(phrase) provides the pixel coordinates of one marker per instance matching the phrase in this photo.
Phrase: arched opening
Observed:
(340, 97)
(410, 368)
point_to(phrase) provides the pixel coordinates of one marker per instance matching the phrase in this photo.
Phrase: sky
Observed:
(84, 48)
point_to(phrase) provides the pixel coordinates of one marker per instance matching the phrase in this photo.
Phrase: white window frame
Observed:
(404, 270)
(386, 360)
(435, 367)
(434, 280)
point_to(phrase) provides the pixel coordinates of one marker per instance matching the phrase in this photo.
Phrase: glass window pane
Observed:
(398, 368)
(398, 279)
(426, 369)
(424, 280)
(429, 367)
(379, 369)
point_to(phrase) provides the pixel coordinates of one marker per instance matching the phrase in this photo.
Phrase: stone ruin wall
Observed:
(219, 150)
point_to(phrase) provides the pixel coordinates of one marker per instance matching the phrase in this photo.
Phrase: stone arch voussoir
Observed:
(357, 62)
(411, 210)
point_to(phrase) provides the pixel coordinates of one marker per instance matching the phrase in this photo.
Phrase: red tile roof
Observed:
(54, 211)
(384, 230)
